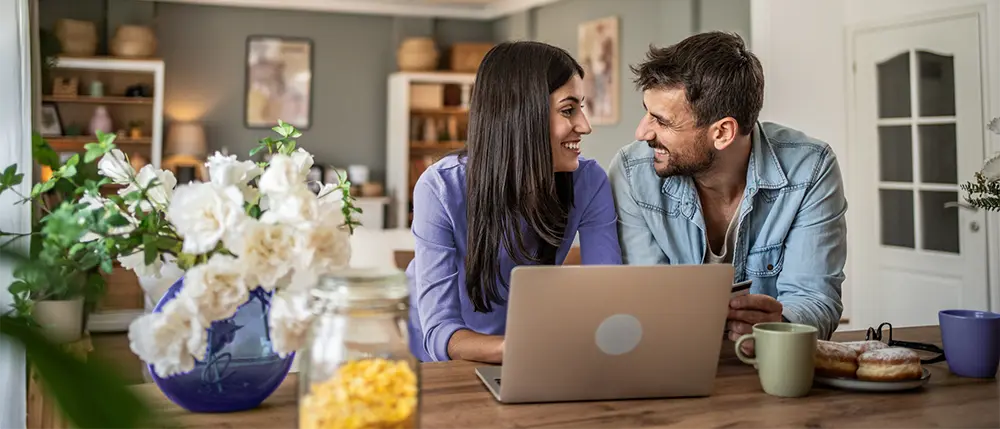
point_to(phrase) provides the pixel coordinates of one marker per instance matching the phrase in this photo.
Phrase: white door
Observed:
(918, 134)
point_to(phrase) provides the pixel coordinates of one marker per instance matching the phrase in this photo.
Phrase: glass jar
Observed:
(357, 368)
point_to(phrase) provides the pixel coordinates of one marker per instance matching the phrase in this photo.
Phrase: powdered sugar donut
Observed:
(835, 359)
(860, 347)
(889, 364)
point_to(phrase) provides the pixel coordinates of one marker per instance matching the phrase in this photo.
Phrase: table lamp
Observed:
(186, 152)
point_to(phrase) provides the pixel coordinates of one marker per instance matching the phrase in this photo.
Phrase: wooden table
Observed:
(452, 396)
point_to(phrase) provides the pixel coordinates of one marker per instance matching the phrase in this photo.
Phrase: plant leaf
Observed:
(76, 249)
(8, 174)
(90, 393)
(68, 171)
(46, 186)
(96, 285)
(106, 266)
(91, 155)
(149, 248)
(43, 153)
(117, 220)
(257, 149)
(89, 261)
(17, 287)
(166, 243)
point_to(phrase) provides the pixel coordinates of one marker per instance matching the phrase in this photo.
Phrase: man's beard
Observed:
(699, 159)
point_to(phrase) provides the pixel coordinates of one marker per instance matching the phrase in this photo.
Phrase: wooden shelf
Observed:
(86, 99)
(436, 146)
(76, 143)
(452, 110)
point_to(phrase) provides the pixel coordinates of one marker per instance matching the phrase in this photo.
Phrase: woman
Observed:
(518, 194)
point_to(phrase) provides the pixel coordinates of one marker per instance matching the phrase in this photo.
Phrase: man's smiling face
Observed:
(669, 127)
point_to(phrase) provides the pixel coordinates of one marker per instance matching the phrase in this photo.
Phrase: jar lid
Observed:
(363, 287)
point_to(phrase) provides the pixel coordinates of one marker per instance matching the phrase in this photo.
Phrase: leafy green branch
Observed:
(285, 145)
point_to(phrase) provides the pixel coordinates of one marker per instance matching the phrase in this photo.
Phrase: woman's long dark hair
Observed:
(511, 183)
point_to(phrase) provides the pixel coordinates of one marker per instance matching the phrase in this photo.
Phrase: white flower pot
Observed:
(61, 321)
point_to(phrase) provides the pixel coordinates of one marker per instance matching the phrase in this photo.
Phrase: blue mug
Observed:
(971, 342)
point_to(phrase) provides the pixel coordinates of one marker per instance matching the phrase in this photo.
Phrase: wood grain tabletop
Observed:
(453, 397)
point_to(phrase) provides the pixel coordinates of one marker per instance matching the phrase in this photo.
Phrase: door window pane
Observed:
(894, 87)
(897, 217)
(938, 154)
(895, 151)
(940, 224)
(936, 85)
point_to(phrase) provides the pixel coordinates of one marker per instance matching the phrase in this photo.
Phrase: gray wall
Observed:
(204, 49)
(724, 15)
(50, 11)
(641, 23)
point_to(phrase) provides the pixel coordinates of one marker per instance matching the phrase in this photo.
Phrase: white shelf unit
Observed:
(115, 73)
(398, 141)
(108, 66)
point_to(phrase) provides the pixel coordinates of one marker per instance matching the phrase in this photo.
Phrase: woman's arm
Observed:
(598, 223)
(437, 282)
(469, 345)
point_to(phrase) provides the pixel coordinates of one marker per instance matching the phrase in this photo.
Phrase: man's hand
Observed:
(748, 310)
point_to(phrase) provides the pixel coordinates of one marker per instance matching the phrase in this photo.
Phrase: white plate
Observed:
(873, 386)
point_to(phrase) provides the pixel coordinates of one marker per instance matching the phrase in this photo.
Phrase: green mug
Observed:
(785, 357)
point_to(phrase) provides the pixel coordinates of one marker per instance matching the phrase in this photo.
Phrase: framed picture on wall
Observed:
(598, 53)
(278, 81)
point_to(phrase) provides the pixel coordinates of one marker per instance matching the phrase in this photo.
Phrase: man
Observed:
(705, 182)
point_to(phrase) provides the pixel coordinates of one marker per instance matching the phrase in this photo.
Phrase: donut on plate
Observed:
(835, 359)
(889, 364)
(860, 347)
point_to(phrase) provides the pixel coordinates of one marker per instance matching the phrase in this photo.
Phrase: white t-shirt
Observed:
(728, 245)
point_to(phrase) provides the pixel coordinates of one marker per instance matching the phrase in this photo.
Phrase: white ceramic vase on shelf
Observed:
(101, 121)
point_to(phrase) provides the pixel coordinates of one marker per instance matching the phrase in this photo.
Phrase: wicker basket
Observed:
(417, 54)
(134, 41)
(78, 38)
(66, 87)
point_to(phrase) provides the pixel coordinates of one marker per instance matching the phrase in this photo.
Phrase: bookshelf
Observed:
(74, 103)
(428, 117)
(116, 75)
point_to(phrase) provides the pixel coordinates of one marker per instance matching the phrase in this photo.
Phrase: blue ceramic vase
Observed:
(240, 369)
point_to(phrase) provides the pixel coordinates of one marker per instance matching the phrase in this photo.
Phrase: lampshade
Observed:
(186, 138)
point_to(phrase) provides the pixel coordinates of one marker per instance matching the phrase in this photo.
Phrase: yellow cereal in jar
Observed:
(367, 393)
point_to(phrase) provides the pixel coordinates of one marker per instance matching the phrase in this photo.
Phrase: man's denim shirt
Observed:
(792, 234)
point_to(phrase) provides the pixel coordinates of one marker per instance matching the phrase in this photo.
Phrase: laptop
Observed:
(579, 333)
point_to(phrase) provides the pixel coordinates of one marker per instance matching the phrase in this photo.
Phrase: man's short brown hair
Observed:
(720, 77)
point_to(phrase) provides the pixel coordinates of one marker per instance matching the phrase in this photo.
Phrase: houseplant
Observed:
(108, 402)
(59, 292)
(252, 243)
(984, 191)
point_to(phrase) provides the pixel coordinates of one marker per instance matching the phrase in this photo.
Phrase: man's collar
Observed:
(764, 170)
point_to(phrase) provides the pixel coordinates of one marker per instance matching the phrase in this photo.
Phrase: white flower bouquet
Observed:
(253, 225)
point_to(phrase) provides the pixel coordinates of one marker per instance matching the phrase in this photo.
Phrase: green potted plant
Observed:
(984, 190)
(64, 287)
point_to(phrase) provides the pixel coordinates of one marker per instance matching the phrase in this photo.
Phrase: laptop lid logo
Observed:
(618, 334)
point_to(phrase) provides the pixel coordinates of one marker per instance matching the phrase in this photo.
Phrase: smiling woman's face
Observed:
(567, 124)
